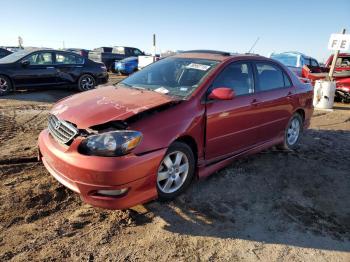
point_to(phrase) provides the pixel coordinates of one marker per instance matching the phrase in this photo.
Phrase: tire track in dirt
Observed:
(7, 127)
(316, 221)
(26, 107)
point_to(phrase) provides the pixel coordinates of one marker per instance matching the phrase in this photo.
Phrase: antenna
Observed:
(256, 41)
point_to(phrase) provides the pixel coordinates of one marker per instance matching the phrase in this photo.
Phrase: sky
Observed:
(234, 26)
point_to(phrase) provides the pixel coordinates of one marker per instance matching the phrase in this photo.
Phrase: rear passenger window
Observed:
(270, 77)
(287, 82)
(237, 76)
(68, 59)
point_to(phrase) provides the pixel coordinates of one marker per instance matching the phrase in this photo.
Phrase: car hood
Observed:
(107, 104)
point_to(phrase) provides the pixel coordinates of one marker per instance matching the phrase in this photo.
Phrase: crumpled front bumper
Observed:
(88, 174)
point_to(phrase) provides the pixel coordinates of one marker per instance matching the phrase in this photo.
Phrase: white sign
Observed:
(339, 42)
(198, 66)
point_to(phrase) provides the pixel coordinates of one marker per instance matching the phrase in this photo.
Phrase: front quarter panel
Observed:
(162, 128)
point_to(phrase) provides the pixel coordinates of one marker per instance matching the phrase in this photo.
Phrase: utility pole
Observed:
(154, 48)
(335, 57)
(20, 42)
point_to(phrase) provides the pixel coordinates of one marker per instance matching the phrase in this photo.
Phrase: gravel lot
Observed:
(273, 206)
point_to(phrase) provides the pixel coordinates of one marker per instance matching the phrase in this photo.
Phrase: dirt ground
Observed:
(273, 206)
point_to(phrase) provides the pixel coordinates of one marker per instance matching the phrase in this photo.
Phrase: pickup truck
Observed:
(109, 55)
(342, 64)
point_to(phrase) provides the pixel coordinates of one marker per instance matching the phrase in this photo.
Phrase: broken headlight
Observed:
(114, 143)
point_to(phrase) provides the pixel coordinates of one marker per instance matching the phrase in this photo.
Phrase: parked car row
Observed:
(308, 69)
(49, 68)
(110, 55)
(295, 61)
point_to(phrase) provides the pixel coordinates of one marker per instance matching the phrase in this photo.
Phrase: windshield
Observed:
(14, 57)
(173, 76)
(286, 59)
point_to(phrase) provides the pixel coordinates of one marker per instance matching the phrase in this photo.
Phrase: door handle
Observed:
(50, 67)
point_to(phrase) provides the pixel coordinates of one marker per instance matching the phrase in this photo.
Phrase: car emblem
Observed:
(57, 125)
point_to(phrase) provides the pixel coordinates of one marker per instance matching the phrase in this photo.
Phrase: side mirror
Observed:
(25, 63)
(222, 93)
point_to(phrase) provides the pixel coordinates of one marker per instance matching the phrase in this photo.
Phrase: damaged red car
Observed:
(181, 118)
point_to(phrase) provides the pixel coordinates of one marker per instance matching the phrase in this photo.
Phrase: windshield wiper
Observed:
(131, 86)
(121, 83)
(138, 87)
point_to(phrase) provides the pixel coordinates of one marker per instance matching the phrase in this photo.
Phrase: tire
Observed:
(86, 82)
(292, 133)
(171, 180)
(112, 68)
(5, 85)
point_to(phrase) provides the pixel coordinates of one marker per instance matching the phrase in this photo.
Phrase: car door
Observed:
(69, 67)
(231, 124)
(36, 69)
(274, 92)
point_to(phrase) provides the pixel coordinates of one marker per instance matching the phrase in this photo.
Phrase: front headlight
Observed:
(114, 143)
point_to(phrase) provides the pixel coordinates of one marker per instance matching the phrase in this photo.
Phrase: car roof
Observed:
(214, 55)
(29, 51)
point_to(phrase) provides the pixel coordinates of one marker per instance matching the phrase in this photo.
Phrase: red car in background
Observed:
(341, 75)
(342, 63)
(183, 117)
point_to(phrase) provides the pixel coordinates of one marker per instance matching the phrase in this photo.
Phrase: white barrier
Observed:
(324, 92)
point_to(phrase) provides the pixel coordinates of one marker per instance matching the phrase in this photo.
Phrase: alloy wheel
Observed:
(172, 172)
(293, 131)
(3, 85)
(87, 83)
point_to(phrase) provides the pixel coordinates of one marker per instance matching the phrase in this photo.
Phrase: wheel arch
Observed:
(191, 142)
(301, 112)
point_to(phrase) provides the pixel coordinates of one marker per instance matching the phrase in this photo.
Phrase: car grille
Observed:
(61, 130)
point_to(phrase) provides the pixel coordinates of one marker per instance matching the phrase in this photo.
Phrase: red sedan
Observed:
(180, 118)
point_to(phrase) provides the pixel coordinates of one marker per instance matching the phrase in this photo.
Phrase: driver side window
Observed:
(40, 59)
(238, 77)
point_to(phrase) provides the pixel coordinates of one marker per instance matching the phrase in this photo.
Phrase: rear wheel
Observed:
(5, 85)
(292, 132)
(176, 171)
(86, 82)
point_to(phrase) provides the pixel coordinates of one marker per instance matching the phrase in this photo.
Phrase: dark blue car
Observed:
(127, 66)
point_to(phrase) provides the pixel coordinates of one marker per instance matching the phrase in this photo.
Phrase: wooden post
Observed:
(335, 57)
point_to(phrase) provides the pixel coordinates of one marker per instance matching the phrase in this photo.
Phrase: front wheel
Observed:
(292, 132)
(5, 85)
(176, 171)
(86, 82)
